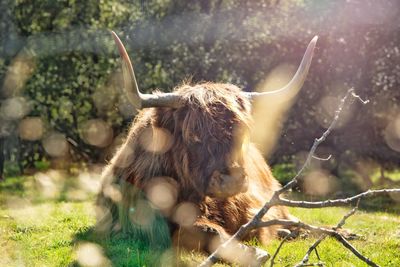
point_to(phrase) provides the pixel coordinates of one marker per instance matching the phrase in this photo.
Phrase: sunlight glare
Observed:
(91, 255)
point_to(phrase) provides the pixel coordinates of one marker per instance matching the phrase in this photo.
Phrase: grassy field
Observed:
(53, 228)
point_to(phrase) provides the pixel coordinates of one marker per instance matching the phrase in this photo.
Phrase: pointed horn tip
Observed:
(313, 42)
(113, 33)
(121, 47)
(311, 46)
(115, 36)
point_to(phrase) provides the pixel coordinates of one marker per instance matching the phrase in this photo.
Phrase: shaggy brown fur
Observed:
(200, 150)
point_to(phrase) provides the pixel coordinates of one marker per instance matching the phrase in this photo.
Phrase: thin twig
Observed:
(359, 98)
(292, 234)
(349, 214)
(314, 246)
(321, 264)
(345, 243)
(316, 253)
(310, 249)
(298, 223)
(322, 159)
(334, 202)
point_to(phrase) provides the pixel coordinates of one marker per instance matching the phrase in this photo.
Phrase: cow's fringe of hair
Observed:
(216, 93)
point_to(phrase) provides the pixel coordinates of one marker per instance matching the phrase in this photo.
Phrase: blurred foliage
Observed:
(284, 172)
(66, 69)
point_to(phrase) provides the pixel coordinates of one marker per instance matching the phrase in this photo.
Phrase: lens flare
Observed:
(326, 110)
(243, 255)
(185, 214)
(392, 134)
(31, 128)
(56, 145)
(97, 132)
(319, 183)
(14, 108)
(269, 114)
(162, 193)
(19, 71)
(113, 192)
(89, 182)
(90, 254)
(50, 183)
(156, 140)
(142, 214)
(168, 258)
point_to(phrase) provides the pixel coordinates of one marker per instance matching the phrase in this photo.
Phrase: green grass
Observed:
(393, 175)
(379, 232)
(57, 231)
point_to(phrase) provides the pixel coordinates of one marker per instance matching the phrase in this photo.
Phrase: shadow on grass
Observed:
(122, 250)
(11, 186)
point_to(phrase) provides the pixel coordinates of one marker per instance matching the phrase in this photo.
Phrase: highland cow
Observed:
(187, 173)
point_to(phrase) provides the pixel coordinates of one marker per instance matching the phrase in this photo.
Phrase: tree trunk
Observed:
(1, 158)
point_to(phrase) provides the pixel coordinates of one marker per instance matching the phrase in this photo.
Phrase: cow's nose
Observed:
(231, 181)
(237, 172)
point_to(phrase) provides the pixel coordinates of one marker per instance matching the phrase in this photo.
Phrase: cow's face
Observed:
(214, 127)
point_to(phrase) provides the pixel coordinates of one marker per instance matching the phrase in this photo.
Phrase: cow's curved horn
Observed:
(137, 99)
(298, 79)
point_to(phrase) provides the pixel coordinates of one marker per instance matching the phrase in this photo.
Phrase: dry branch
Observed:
(291, 235)
(335, 202)
(256, 221)
(314, 246)
(345, 243)
(312, 228)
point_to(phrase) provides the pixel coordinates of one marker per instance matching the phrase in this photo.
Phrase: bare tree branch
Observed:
(298, 223)
(256, 221)
(345, 243)
(323, 230)
(359, 98)
(322, 159)
(314, 264)
(292, 234)
(345, 217)
(335, 202)
(317, 142)
(314, 246)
